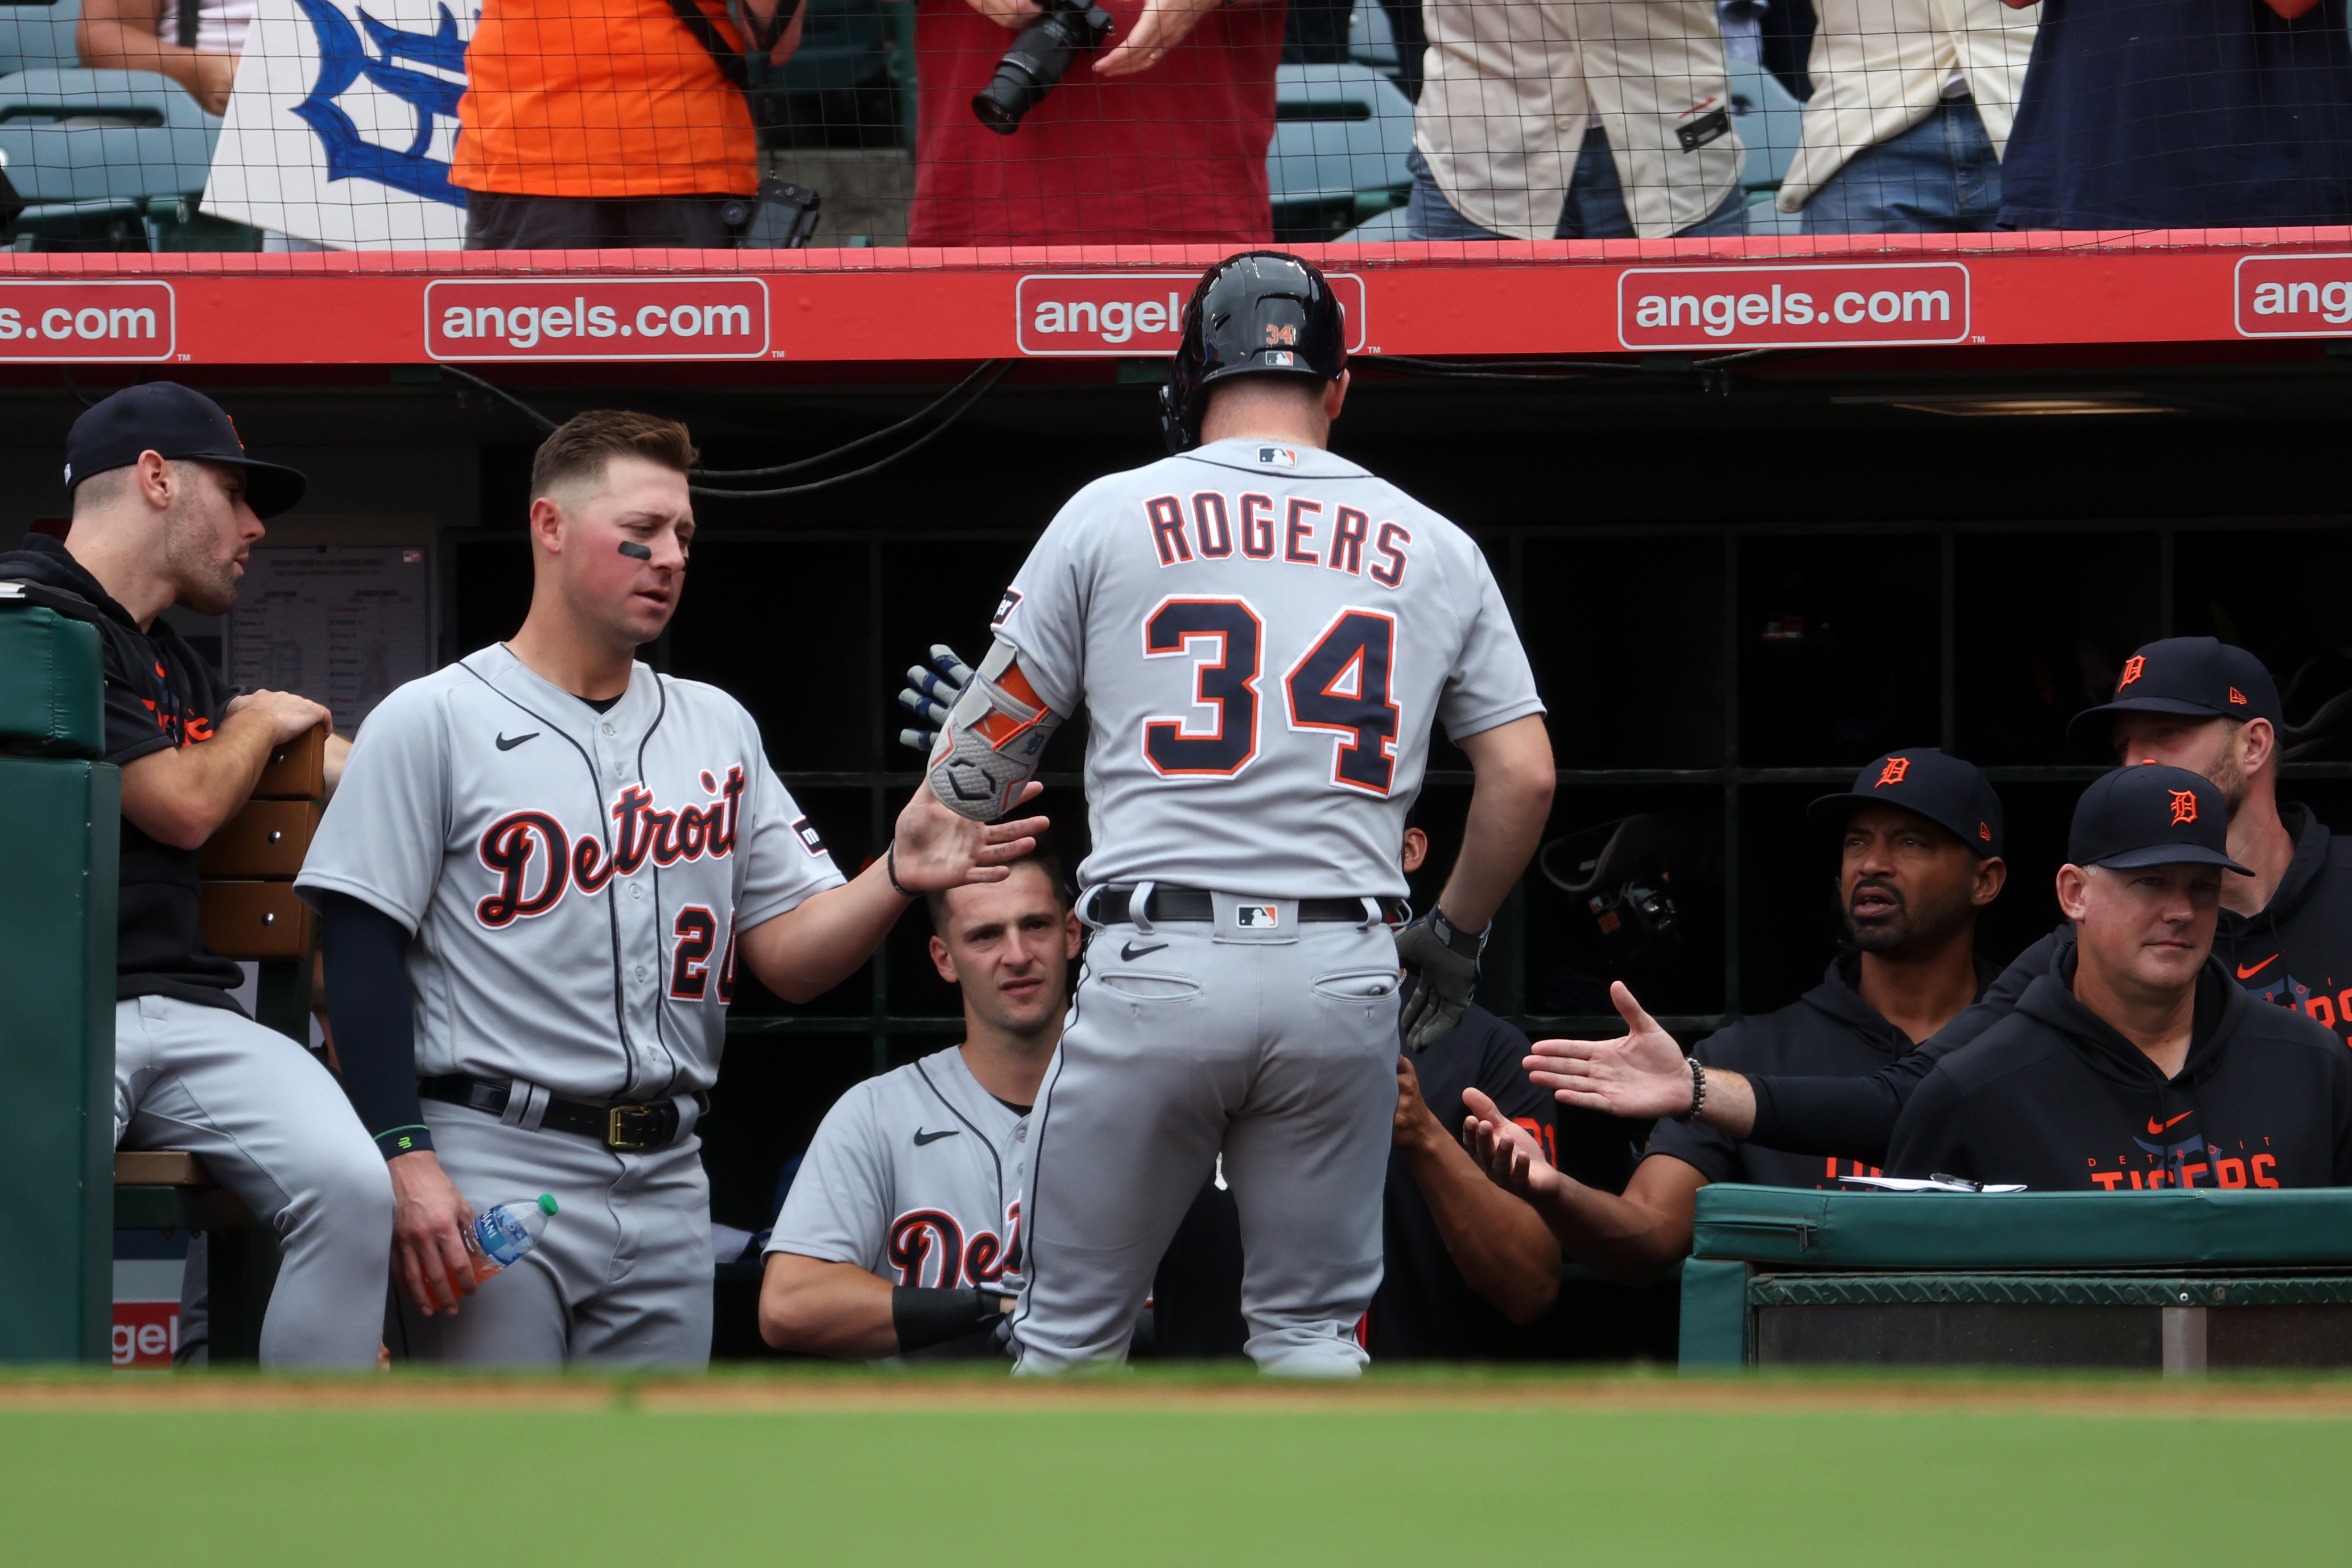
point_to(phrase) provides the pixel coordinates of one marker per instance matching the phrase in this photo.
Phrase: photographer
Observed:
(1158, 132)
(592, 124)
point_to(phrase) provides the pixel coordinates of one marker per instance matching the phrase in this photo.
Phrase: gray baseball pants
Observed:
(1273, 1043)
(273, 1127)
(621, 1276)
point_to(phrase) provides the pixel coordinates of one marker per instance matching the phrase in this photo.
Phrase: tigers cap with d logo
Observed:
(1951, 793)
(176, 422)
(2151, 815)
(2203, 677)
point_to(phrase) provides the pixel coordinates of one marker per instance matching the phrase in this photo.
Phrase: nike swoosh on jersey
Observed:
(506, 745)
(922, 1137)
(1130, 953)
(2155, 1127)
(2246, 974)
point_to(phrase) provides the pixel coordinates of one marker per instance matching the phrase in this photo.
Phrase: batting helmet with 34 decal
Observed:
(1262, 312)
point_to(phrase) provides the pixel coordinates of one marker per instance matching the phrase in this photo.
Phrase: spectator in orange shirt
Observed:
(608, 123)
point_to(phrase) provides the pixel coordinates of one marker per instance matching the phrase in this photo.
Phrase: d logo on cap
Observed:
(2132, 667)
(2184, 805)
(1892, 773)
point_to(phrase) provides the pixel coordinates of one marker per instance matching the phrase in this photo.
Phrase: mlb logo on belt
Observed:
(1257, 916)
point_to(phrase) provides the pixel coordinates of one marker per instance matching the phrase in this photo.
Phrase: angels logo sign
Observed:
(344, 122)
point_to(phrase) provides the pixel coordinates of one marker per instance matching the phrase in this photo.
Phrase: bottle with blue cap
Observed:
(501, 1237)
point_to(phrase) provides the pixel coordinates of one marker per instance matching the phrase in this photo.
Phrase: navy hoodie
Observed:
(2053, 1097)
(2294, 953)
(1829, 1030)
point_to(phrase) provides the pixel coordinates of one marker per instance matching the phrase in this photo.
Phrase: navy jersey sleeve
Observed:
(134, 728)
(1855, 1117)
(1931, 1136)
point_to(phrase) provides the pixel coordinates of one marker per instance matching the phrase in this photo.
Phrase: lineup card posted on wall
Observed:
(341, 624)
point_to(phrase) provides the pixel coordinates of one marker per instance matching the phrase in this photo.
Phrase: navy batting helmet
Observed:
(1260, 312)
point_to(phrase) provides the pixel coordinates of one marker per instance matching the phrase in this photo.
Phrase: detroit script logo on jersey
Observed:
(928, 1248)
(537, 861)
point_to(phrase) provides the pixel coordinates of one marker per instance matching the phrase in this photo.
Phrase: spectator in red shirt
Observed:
(1159, 137)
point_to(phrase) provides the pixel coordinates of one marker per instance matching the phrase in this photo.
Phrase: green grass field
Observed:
(1161, 1471)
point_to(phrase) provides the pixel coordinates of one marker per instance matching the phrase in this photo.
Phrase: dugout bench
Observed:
(2179, 1281)
(65, 1187)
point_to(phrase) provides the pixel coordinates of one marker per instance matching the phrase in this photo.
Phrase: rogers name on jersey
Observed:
(641, 833)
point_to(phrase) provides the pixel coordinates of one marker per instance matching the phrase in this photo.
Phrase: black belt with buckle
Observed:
(624, 1129)
(1111, 907)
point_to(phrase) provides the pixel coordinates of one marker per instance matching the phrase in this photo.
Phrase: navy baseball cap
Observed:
(2203, 677)
(1947, 791)
(176, 422)
(2151, 815)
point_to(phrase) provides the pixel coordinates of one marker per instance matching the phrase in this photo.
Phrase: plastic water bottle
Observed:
(499, 1238)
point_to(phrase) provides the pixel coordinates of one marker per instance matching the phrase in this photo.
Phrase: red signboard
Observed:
(596, 319)
(2295, 296)
(146, 1333)
(1792, 306)
(83, 323)
(1065, 313)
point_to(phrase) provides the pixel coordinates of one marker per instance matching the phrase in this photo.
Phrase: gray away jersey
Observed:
(1262, 636)
(574, 880)
(914, 1177)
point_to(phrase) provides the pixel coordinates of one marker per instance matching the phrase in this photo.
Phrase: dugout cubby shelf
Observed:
(1655, 645)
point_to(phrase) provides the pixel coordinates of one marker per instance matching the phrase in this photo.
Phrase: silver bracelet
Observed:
(1698, 1090)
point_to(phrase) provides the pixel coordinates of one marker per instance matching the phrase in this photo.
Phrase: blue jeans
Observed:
(1594, 207)
(1941, 176)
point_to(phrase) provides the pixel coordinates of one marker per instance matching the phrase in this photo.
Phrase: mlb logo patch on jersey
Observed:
(1259, 917)
(1004, 607)
(806, 829)
(1278, 456)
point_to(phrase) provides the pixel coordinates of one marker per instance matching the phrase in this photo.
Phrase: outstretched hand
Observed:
(1507, 1151)
(1642, 1074)
(939, 849)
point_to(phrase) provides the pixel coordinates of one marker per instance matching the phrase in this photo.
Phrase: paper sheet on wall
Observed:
(342, 624)
(342, 124)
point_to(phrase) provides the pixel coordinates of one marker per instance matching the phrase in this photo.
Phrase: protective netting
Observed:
(228, 125)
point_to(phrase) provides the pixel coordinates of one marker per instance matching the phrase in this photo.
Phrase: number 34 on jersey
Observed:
(1338, 685)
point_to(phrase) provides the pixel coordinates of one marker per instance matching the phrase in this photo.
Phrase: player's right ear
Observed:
(944, 961)
(547, 526)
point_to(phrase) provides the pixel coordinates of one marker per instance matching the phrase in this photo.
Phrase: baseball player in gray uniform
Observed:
(1262, 634)
(537, 878)
(901, 1234)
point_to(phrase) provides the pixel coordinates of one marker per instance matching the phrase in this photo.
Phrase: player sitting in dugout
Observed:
(1921, 835)
(1469, 1271)
(2136, 1062)
(901, 1234)
(2189, 702)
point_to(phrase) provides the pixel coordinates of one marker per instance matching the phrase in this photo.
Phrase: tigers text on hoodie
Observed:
(2053, 1097)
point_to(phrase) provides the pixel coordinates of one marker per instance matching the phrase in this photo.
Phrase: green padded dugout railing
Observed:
(2178, 1280)
(57, 1039)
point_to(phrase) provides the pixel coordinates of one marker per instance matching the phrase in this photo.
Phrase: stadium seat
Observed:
(1769, 120)
(1371, 40)
(102, 158)
(1341, 138)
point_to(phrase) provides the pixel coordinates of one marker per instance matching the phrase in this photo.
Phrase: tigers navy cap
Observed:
(176, 422)
(1947, 791)
(2201, 676)
(2151, 815)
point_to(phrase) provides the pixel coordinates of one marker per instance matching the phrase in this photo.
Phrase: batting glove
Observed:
(1446, 962)
(930, 695)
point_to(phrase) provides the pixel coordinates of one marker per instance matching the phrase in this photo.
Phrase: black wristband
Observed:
(415, 1139)
(924, 1316)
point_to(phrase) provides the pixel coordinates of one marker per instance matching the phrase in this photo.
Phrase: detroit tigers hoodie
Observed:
(2053, 1097)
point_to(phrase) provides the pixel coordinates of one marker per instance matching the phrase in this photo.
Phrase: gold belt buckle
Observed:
(613, 1137)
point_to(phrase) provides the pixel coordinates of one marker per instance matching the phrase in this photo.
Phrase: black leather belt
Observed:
(624, 1129)
(1111, 907)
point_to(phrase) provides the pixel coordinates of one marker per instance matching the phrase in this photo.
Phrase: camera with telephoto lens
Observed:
(1036, 60)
